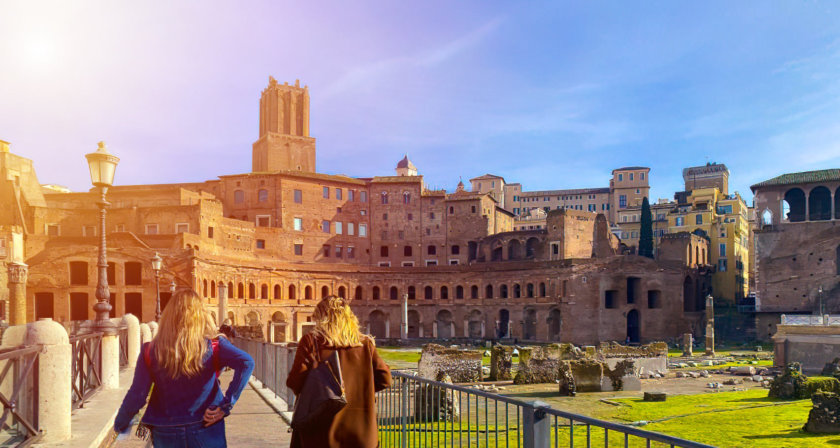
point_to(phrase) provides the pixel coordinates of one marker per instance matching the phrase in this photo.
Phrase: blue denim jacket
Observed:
(183, 400)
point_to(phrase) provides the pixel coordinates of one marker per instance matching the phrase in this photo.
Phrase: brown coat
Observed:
(364, 373)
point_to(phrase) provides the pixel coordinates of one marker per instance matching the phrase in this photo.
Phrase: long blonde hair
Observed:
(181, 342)
(336, 323)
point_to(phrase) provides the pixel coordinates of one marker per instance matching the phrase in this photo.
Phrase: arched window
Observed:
(488, 292)
(358, 294)
(230, 290)
(240, 291)
(262, 195)
(264, 291)
(459, 292)
(412, 293)
(384, 197)
(517, 291)
(238, 196)
(252, 291)
(407, 251)
(542, 289)
(456, 250)
(767, 217)
(342, 292)
(325, 291)
(406, 198)
(529, 290)
(429, 293)
(451, 210)
(819, 204)
(213, 288)
(292, 292)
(205, 288)
(503, 291)
(394, 293)
(277, 292)
(793, 206)
(473, 292)
(307, 293)
(444, 292)
(375, 293)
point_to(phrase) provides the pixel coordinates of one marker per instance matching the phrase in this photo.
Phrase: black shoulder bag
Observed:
(322, 395)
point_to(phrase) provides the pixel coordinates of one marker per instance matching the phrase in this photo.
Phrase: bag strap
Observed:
(217, 365)
(147, 356)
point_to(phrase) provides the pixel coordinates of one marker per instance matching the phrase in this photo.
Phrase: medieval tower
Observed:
(284, 143)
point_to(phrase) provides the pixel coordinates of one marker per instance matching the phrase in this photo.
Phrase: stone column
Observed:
(133, 340)
(710, 326)
(109, 350)
(17, 293)
(434, 329)
(388, 328)
(483, 333)
(153, 327)
(222, 313)
(466, 328)
(452, 329)
(688, 344)
(145, 334)
(54, 376)
(404, 318)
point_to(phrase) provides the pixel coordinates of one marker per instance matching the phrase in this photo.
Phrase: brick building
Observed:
(282, 236)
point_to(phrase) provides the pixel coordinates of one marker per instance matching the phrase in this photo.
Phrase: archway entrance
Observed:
(376, 323)
(475, 324)
(504, 324)
(444, 324)
(633, 326)
(413, 324)
(555, 321)
(529, 325)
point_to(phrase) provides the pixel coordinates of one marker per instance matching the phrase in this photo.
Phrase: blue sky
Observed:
(552, 95)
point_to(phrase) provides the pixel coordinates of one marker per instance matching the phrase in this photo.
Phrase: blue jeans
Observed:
(194, 435)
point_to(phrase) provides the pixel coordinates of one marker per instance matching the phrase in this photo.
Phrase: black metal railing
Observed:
(86, 370)
(272, 363)
(19, 396)
(123, 335)
(417, 412)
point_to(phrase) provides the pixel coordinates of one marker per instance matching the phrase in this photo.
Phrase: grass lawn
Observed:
(727, 419)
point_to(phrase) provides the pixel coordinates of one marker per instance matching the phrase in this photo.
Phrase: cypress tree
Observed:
(646, 231)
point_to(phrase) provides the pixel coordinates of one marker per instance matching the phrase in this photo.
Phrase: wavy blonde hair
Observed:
(336, 323)
(185, 327)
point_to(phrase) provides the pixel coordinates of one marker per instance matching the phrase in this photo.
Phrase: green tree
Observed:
(646, 231)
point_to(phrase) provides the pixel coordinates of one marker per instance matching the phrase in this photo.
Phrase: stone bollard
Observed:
(54, 374)
(153, 326)
(133, 339)
(109, 350)
(145, 334)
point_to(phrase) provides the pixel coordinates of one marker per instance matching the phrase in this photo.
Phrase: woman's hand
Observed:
(212, 415)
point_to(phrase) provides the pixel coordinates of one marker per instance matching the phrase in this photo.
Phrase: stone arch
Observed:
(358, 293)
(459, 292)
(444, 292)
(514, 249)
(496, 251)
(767, 217)
(532, 246)
(503, 291)
(240, 291)
(819, 204)
(292, 292)
(793, 205)
(555, 324)
(412, 293)
(394, 293)
(342, 292)
(428, 293)
(472, 250)
(475, 324)
(375, 293)
(213, 288)
(264, 291)
(474, 291)
(689, 299)
(503, 326)
(307, 293)
(279, 327)
(278, 317)
(252, 291)
(414, 324)
(277, 292)
(325, 291)
(443, 320)
(529, 324)
(204, 288)
(488, 292)
(253, 318)
(376, 324)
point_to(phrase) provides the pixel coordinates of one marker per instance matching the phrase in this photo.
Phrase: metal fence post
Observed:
(536, 425)
(404, 416)
(290, 396)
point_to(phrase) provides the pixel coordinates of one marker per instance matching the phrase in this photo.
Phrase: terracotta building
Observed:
(797, 246)
(283, 236)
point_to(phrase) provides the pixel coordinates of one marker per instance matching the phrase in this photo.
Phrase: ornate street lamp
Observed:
(102, 166)
(156, 265)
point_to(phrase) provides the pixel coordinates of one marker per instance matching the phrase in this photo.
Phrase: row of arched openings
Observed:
(816, 207)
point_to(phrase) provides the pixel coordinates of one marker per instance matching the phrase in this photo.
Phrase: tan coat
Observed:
(364, 373)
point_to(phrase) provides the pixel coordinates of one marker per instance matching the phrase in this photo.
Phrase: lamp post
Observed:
(222, 290)
(102, 165)
(156, 265)
(820, 292)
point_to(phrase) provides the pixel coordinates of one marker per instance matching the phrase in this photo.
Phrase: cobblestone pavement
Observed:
(251, 424)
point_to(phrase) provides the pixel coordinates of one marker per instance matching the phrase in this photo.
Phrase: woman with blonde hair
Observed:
(183, 362)
(362, 373)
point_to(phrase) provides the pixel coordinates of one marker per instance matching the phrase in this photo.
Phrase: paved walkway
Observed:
(253, 423)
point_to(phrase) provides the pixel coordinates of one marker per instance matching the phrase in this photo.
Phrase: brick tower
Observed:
(284, 142)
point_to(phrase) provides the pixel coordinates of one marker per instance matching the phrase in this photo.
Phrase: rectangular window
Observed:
(407, 264)
(338, 194)
(620, 177)
(327, 249)
(384, 264)
(363, 196)
(401, 234)
(384, 216)
(78, 273)
(698, 219)
(182, 227)
(622, 201)
(298, 224)
(351, 252)
(431, 262)
(339, 251)
(339, 228)
(298, 249)
(325, 226)
(362, 230)
(350, 229)
(722, 249)
(383, 251)
(363, 212)
(722, 265)
(298, 197)
(431, 215)
(631, 176)
(88, 230)
(263, 221)
(326, 192)
(351, 195)
(151, 229)
(642, 176)
(52, 230)
(410, 217)
(724, 209)
(679, 221)
(260, 244)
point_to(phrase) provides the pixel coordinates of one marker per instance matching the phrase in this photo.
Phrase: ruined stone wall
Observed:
(462, 366)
